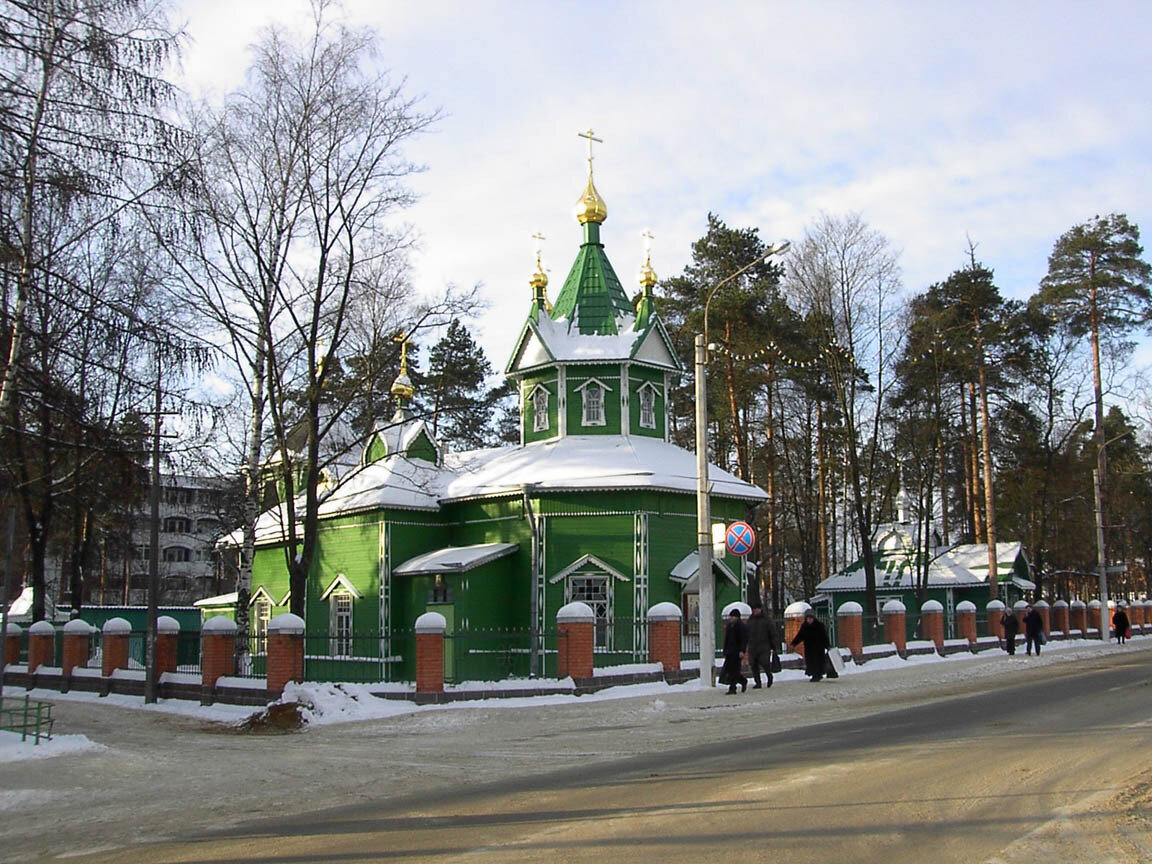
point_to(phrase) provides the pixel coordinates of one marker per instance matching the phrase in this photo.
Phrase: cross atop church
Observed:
(539, 238)
(402, 339)
(648, 237)
(591, 136)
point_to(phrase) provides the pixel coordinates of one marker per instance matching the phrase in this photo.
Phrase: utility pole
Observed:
(151, 683)
(707, 596)
(1101, 560)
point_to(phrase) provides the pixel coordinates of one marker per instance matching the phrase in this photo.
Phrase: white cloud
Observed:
(1010, 123)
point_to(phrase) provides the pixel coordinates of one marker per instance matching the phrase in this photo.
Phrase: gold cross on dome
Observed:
(402, 338)
(591, 136)
(648, 238)
(539, 238)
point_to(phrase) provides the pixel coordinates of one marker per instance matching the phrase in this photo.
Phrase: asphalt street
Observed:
(1055, 762)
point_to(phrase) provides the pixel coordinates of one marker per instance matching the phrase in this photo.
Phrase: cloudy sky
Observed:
(1008, 122)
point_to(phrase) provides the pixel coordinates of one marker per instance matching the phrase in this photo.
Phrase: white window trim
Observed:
(539, 418)
(600, 575)
(647, 394)
(335, 638)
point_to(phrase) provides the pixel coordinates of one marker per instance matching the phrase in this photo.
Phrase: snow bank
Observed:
(12, 749)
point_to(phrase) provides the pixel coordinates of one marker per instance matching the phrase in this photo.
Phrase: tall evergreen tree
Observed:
(1099, 284)
(460, 404)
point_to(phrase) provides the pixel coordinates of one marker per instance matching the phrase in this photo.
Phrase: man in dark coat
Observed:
(1033, 630)
(815, 639)
(762, 641)
(1121, 623)
(735, 644)
(1010, 626)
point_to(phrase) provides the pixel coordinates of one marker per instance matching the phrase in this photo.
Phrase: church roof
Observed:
(545, 341)
(586, 462)
(592, 299)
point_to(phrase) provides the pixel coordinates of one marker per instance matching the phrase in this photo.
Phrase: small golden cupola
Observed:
(648, 279)
(539, 280)
(591, 207)
(402, 387)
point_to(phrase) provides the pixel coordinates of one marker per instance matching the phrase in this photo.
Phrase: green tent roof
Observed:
(592, 296)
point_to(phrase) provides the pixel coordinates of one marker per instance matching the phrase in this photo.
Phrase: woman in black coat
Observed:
(1121, 623)
(1011, 626)
(1033, 630)
(815, 639)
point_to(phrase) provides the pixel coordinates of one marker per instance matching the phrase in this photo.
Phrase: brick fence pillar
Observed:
(1045, 612)
(793, 618)
(664, 635)
(217, 650)
(577, 625)
(1094, 616)
(430, 629)
(1077, 617)
(895, 627)
(114, 650)
(966, 621)
(1136, 614)
(932, 623)
(167, 640)
(286, 651)
(12, 644)
(1060, 617)
(994, 610)
(41, 645)
(850, 623)
(77, 642)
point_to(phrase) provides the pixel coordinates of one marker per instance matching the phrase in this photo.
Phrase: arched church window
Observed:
(593, 405)
(540, 410)
(647, 408)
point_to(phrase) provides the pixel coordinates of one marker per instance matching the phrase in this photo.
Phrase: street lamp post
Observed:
(704, 576)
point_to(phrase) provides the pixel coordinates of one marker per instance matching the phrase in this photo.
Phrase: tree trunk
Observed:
(822, 506)
(737, 432)
(989, 484)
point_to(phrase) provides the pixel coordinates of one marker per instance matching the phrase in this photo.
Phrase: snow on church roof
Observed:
(583, 462)
(455, 559)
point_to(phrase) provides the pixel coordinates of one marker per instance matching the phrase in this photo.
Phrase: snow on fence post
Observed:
(1093, 617)
(41, 645)
(77, 641)
(966, 621)
(217, 653)
(995, 610)
(12, 644)
(895, 628)
(114, 650)
(850, 624)
(793, 618)
(1077, 617)
(167, 637)
(932, 623)
(1060, 618)
(430, 629)
(1045, 613)
(576, 623)
(664, 636)
(285, 651)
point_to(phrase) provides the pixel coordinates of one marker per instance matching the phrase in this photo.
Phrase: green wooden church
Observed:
(595, 504)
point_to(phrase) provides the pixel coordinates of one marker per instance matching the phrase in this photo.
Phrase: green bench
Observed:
(28, 717)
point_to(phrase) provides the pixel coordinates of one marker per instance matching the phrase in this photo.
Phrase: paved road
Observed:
(1055, 767)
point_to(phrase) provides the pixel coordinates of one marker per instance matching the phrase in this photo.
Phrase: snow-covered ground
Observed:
(179, 757)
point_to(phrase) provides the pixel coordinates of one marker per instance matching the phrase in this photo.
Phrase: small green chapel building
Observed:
(595, 504)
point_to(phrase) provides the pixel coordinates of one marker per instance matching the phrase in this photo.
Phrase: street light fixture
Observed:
(704, 576)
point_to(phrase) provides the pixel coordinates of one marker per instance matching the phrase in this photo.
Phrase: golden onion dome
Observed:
(591, 207)
(648, 276)
(402, 387)
(539, 278)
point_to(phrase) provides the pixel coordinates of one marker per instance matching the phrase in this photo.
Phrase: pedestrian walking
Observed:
(735, 647)
(1033, 631)
(815, 639)
(762, 641)
(1121, 623)
(1010, 626)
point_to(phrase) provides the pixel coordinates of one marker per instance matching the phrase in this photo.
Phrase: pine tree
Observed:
(460, 404)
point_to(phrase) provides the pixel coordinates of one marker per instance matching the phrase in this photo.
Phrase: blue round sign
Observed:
(740, 538)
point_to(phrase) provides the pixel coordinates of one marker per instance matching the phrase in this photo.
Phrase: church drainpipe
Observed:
(533, 598)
